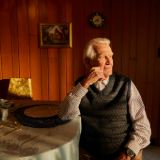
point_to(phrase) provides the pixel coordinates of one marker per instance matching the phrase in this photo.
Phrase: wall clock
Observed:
(97, 20)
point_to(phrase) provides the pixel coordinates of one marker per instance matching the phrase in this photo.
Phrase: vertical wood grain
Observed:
(152, 52)
(3, 10)
(133, 40)
(42, 11)
(45, 75)
(35, 59)
(5, 40)
(53, 76)
(156, 100)
(0, 62)
(107, 13)
(4, 5)
(132, 26)
(142, 47)
(88, 27)
(116, 34)
(78, 37)
(44, 52)
(97, 7)
(69, 51)
(23, 38)
(157, 72)
(33, 15)
(14, 39)
(62, 54)
(35, 68)
(62, 73)
(52, 17)
(125, 36)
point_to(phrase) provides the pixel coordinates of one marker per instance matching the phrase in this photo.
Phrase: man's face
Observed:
(103, 59)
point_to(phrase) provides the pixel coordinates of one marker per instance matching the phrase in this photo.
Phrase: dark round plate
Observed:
(44, 122)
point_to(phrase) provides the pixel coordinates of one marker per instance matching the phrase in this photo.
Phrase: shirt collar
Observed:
(105, 82)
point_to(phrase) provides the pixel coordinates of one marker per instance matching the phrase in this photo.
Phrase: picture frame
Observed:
(55, 35)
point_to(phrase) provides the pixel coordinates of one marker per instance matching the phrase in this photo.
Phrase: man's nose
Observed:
(107, 60)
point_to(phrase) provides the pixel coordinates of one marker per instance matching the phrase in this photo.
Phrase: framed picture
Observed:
(55, 35)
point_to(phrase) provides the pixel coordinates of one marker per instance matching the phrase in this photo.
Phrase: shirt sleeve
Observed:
(140, 137)
(69, 108)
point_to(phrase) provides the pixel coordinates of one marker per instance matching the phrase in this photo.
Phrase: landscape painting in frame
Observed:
(55, 35)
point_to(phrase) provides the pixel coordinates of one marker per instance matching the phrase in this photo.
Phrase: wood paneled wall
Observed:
(133, 26)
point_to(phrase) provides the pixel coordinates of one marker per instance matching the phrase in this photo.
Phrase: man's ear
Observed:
(87, 62)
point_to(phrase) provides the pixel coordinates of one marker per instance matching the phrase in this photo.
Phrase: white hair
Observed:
(89, 50)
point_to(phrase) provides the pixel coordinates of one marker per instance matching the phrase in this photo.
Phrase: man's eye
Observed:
(102, 57)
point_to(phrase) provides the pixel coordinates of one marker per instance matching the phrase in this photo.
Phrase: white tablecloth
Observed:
(56, 143)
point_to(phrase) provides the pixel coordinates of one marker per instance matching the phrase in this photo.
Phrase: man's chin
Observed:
(107, 74)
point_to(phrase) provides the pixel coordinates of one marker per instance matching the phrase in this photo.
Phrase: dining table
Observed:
(20, 140)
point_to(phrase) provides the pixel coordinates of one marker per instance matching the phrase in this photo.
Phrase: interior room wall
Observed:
(133, 27)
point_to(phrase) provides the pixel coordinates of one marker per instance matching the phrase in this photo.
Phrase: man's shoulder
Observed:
(124, 80)
(121, 76)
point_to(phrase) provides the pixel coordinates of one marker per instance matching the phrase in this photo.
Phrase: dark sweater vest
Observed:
(105, 118)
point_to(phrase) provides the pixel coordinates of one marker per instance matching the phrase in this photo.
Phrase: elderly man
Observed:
(114, 121)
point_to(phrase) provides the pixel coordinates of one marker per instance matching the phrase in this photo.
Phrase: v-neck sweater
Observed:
(106, 122)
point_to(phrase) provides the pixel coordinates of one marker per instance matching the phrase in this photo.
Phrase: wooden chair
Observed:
(20, 88)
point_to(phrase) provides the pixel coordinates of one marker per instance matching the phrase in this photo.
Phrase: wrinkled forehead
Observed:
(102, 48)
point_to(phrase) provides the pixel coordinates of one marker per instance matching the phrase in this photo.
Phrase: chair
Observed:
(20, 89)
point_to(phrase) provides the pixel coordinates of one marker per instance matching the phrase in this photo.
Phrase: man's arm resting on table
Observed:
(69, 108)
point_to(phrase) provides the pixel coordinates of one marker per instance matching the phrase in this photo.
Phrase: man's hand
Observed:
(95, 74)
(123, 156)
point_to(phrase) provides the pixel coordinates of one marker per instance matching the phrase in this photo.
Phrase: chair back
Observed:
(20, 88)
